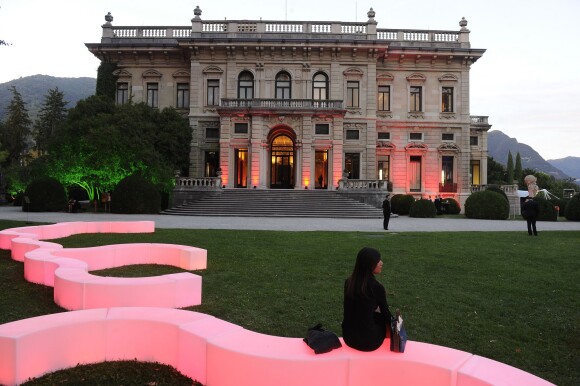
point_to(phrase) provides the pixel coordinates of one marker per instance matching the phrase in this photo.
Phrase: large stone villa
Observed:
(311, 104)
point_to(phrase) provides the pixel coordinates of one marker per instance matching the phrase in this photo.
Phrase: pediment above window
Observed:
(122, 74)
(446, 147)
(416, 146)
(387, 145)
(448, 78)
(416, 77)
(385, 76)
(181, 74)
(353, 73)
(152, 74)
(213, 70)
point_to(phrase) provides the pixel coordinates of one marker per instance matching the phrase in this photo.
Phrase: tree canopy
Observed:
(102, 143)
(15, 129)
(52, 114)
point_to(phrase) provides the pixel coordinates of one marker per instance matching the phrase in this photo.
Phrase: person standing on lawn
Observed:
(530, 211)
(366, 312)
(386, 212)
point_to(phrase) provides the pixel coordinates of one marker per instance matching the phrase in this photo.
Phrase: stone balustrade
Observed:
(199, 183)
(347, 184)
(305, 104)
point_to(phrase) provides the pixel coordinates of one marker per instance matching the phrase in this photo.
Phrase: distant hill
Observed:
(499, 145)
(569, 165)
(34, 89)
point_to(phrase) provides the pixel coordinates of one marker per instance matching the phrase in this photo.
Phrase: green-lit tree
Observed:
(518, 169)
(495, 172)
(15, 130)
(101, 143)
(510, 169)
(52, 114)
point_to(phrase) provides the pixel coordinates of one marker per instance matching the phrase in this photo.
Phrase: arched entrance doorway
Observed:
(282, 162)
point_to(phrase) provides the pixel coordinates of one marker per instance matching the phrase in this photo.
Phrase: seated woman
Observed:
(366, 312)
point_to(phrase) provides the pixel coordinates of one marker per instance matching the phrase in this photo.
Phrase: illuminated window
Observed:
(212, 163)
(352, 165)
(384, 98)
(447, 99)
(383, 168)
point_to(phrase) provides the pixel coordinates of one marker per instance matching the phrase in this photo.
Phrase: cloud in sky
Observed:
(527, 82)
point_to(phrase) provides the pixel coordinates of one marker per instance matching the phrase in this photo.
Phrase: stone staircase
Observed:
(276, 203)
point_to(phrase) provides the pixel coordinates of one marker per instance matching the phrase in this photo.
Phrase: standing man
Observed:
(386, 212)
(530, 211)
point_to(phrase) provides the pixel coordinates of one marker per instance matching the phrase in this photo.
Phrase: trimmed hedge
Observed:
(423, 209)
(573, 208)
(135, 195)
(452, 207)
(547, 210)
(45, 194)
(497, 189)
(401, 203)
(488, 205)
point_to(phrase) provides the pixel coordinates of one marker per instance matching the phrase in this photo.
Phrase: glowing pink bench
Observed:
(75, 289)
(218, 353)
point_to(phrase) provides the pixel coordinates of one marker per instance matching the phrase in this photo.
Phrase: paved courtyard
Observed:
(399, 224)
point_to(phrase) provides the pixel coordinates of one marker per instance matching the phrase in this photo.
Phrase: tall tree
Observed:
(518, 172)
(510, 169)
(16, 129)
(52, 114)
(495, 172)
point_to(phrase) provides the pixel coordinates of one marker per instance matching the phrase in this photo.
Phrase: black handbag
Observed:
(321, 340)
(398, 333)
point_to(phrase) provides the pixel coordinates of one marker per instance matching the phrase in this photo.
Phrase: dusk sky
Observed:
(527, 82)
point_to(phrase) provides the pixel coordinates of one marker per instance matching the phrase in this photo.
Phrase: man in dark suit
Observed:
(386, 212)
(530, 211)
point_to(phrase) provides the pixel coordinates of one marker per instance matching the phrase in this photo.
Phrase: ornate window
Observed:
(352, 94)
(213, 92)
(153, 95)
(320, 86)
(384, 98)
(122, 93)
(283, 85)
(246, 85)
(447, 100)
(182, 96)
(416, 99)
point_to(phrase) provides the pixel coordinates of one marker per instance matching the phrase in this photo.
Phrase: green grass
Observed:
(501, 295)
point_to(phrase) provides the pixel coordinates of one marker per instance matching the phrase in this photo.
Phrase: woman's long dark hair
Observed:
(366, 261)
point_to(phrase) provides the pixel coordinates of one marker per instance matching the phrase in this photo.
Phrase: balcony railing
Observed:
(347, 184)
(302, 104)
(448, 187)
(479, 120)
(201, 183)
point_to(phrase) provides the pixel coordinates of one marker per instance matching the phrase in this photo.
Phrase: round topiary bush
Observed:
(573, 208)
(423, 209)
(396, 202)
(45, 194)
(497, 189)
(547, 210)
(135, 195)
(451, 206)
(487, 204)
(403, 204)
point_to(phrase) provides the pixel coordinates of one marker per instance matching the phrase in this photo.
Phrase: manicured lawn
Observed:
(502, 295)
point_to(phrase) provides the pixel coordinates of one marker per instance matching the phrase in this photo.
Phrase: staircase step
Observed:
(277, 203)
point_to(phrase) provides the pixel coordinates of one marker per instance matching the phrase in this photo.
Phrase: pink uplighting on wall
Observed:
(202, 347)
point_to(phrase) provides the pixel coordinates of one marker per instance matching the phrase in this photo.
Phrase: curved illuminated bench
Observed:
(219, 353)
(67, 270)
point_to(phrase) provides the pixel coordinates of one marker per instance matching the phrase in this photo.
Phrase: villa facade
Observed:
(311, 105)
